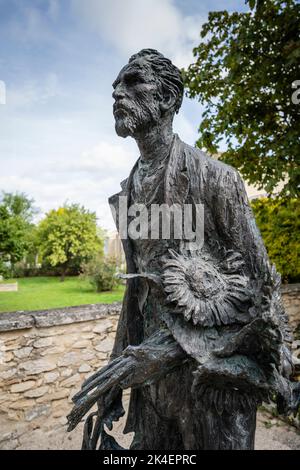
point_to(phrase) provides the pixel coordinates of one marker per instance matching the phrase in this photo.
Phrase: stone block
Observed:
(12, 397)
(82, 344)
(36, 392)
(22, 386)
(23, 352)
(12, 345)
(54, 350)
(51, 377)
(8, 374)
(9, 445)
(50, 332)
(63, 393)
(57, 413)
(15, 321)
(102, 327)
(66, 372)
(43, 342)
(7, 356)
(84, 368)
(102, 356)
(87, 335)
(15, 415)
(106, 345)
(22, 404)
(8, 436)
(37, 411)
(69, 382)
(69, 358)
(61, 403)
(87, 327)
(87, 356)
(37, 367)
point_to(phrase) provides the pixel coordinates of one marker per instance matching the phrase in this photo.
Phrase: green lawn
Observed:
(38, 293)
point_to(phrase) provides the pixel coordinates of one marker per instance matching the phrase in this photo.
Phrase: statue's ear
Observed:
(167, 101)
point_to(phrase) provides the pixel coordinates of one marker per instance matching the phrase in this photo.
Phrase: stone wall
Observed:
(291, 300)
(44, 357)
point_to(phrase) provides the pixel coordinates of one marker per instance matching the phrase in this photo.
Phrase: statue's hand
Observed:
(287, 366)
(154, 357)
(110, 406)
(110, 409)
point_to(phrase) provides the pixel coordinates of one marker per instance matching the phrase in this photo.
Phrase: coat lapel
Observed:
(114, 203)
(176, 178)
(176, 189)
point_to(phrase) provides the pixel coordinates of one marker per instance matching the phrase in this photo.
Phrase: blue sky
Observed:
(58, 60)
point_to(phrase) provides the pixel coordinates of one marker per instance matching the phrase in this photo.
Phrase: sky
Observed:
(58, 60)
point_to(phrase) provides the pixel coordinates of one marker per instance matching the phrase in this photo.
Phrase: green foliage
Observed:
(243, 74)
(101, 273)
(279, 222)
(68, 237)
(16, 212)
(19, 205)
(5, 270)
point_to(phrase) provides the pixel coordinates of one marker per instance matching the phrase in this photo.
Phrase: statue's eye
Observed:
(132, 79)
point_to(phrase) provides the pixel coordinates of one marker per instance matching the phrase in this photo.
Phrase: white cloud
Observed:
(184, 128)
(106, 158)
(134, 24)
(33, 91)
(88, 178)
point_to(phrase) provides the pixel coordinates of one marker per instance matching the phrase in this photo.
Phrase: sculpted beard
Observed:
(132, 116)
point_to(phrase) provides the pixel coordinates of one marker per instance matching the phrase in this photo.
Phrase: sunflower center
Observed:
(204, 280)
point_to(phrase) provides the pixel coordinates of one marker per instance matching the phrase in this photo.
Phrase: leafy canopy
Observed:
(69, 235)
(16, 213)
(243, 74)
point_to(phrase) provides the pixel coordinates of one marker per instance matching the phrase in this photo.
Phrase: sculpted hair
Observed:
(167, 73)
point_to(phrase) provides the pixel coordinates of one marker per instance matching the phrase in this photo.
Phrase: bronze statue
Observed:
(203, 338)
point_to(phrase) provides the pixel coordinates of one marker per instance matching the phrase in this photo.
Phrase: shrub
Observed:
(101, 273)
(279, 222)
(5, 270)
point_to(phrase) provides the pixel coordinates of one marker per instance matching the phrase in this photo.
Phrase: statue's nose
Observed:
(118, 93)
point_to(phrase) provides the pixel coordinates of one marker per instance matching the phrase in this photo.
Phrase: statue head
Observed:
(147, 91)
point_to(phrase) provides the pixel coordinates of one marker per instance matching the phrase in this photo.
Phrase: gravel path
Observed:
(271, 434)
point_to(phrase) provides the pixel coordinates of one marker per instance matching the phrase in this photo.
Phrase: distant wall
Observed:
(8, 287)
(291, 300)
(44, 357)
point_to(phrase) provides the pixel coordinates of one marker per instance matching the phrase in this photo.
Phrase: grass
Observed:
(38, 293)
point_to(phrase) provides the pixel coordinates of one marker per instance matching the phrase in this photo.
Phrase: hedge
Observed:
(279, 222)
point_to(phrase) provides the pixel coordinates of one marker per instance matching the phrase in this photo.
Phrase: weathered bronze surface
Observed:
(203, 338)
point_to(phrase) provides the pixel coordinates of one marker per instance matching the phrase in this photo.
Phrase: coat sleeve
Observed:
(121, 341)
(236, 223)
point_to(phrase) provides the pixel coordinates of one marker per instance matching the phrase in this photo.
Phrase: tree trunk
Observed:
(63, 273)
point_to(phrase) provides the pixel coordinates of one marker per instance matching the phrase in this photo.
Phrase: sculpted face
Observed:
(137, 97)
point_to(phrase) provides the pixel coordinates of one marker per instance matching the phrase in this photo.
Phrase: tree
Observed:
(16, 213)
(19, 205)
(244, 72)
(279, 222)
(68, 236)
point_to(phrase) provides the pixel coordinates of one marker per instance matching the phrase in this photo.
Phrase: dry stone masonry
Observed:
(44, 357)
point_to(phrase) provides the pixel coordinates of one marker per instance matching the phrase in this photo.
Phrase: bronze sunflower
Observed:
(206, 291)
